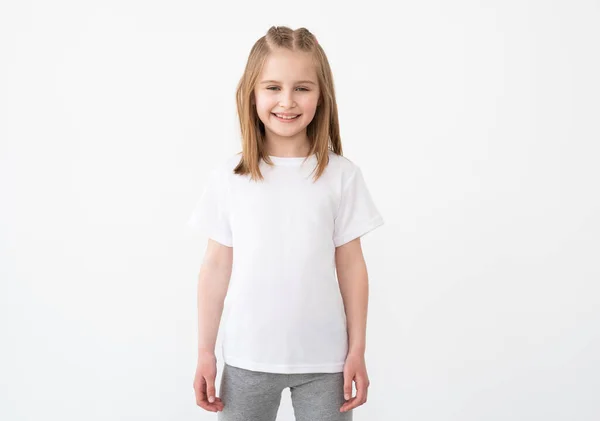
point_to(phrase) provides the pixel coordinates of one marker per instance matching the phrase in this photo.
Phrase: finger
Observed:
(361, 390)
(213, 407)
(218, 403)
(359, 399)
(202, 401)
(199, 390)
(348, 405)
(210, 388)
(347, 385)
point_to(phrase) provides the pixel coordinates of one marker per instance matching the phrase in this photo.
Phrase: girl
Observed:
(284, 219)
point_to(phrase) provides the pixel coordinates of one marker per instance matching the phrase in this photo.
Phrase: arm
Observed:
(213, 283)
(354, 287)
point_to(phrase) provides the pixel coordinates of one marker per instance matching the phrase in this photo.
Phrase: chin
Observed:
(286, 133)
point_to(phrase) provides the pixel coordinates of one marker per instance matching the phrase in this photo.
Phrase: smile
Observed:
(285, 118)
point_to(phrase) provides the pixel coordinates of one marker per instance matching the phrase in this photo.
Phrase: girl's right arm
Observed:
(213, 282)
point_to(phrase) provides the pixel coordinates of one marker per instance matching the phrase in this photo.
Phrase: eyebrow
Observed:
(300, 81)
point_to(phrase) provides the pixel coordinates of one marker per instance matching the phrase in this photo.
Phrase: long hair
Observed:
(323, 131)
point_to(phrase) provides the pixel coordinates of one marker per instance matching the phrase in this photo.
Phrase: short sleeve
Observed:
(211, 213)
(357, 213)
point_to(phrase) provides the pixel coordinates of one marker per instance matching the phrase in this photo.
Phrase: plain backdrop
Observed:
(475, 124)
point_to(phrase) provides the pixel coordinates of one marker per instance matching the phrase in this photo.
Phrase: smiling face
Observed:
(287, 85)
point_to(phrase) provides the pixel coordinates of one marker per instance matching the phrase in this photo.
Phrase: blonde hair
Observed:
(323, 131)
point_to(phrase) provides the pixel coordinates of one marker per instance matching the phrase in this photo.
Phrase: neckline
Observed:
(291, 160)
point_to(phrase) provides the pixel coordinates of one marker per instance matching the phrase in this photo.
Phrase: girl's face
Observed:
(288, 84)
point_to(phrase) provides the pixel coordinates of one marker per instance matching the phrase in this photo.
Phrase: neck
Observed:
(297, 145)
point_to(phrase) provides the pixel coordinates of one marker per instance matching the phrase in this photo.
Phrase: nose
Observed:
(286, 99)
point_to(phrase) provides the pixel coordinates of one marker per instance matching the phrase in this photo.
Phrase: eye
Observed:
(276, 87)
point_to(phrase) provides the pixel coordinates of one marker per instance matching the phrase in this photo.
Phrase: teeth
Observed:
(286, 117)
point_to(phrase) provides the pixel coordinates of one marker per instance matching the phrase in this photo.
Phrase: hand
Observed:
(204, 382)
(355, 369)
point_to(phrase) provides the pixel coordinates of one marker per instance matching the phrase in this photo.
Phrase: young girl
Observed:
(284, 219)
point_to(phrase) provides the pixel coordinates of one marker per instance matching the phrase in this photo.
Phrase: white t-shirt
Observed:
(285, 312)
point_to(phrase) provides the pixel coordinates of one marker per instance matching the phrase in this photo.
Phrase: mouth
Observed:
(281, 117)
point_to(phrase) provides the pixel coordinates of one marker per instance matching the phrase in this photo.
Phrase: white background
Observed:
(475, 124)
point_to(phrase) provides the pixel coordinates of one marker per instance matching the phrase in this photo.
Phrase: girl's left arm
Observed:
(354, 287)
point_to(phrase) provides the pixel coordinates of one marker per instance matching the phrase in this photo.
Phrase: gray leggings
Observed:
(255, 395)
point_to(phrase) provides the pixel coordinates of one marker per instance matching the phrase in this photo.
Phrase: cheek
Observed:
(309, 106)
(264, 104)
(262, 107)
(310, 102)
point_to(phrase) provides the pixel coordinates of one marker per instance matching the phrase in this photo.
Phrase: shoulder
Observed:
(224, 166)
(344, 166)
(219, 172)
